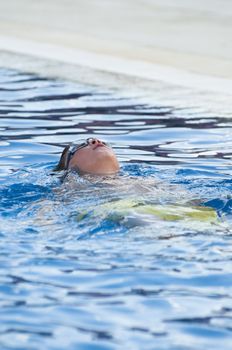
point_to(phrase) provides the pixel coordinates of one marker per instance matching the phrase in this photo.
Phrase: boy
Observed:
(93, 156)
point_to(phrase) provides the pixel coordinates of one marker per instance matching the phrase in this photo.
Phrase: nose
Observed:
(96, 142)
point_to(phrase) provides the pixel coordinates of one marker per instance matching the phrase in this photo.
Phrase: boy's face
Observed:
(94, 158)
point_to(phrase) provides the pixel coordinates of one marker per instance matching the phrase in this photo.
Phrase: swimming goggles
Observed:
(70, 150)
(81, 145)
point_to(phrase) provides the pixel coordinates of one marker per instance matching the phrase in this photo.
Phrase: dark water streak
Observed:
(67, 285)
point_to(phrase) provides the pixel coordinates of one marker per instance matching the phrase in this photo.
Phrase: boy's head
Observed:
(91, 156)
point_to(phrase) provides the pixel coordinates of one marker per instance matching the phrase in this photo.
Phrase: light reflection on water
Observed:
(96, 284)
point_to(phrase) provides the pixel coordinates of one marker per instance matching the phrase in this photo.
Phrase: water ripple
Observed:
(73, 276)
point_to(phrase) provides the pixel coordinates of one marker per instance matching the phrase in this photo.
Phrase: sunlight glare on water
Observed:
(77, 273)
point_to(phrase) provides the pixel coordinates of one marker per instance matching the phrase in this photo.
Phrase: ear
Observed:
(64, 159)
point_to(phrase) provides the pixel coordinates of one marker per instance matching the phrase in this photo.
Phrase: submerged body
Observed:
(131, 201)
(124, 200)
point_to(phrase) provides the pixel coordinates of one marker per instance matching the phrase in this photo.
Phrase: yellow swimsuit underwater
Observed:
(119, 209)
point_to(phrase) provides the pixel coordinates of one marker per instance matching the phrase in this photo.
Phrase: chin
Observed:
(102, 169)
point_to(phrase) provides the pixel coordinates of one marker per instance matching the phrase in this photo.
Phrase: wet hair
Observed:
(64, 160)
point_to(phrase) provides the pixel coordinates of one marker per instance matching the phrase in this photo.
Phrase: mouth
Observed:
(99, 145)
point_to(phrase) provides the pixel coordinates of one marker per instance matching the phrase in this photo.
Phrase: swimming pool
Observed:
(97, 284)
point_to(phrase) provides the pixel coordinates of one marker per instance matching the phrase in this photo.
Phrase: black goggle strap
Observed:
(67, 154)
(73, 150)
(69, 151)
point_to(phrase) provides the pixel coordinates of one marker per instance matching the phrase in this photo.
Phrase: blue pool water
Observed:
(97, 283)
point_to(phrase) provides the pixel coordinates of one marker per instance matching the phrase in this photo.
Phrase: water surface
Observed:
(96, 284)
